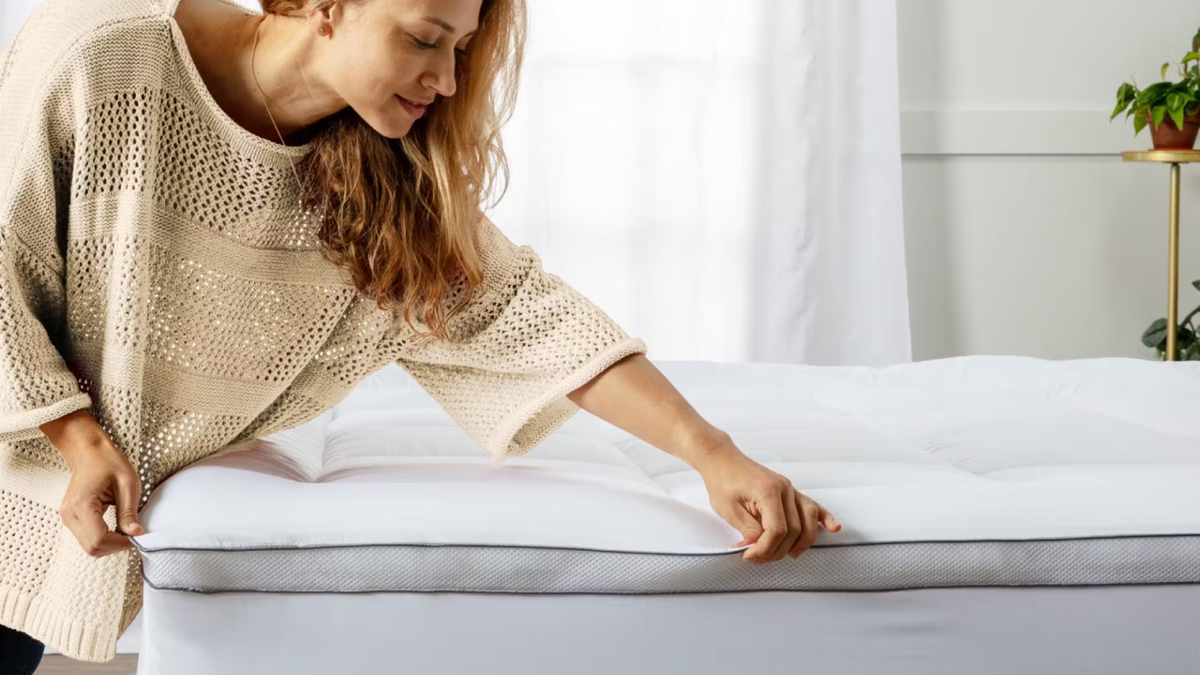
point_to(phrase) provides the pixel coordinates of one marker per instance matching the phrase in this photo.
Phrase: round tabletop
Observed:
(1172, 156)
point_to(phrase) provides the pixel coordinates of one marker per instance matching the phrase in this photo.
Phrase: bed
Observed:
(1001, 514)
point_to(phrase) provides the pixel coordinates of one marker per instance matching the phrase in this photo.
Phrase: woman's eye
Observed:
(432, 45)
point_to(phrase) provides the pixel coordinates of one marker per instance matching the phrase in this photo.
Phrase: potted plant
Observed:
(1187, 344)
(1174, 103)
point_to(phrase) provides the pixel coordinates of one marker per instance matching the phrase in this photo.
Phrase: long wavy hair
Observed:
(402, 215)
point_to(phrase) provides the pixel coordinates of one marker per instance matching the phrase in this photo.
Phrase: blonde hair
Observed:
(401, 215)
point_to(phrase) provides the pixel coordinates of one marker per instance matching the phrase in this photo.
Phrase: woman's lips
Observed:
(414, 109)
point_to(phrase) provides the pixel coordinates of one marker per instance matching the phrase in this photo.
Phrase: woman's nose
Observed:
(442, 78)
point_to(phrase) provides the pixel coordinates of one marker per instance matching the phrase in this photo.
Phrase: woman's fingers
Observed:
(92, 532)
(829, 521)
(83, 512)
(129, 490)
(810, 513)
(820, 515)
(789, 528)
(764, 506)
(796, 525)
(775, 529)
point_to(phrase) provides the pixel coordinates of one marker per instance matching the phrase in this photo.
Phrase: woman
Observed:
(215, 223)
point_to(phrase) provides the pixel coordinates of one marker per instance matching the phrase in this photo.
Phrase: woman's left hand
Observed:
(763, 506)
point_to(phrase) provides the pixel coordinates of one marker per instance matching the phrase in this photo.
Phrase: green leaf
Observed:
(1125, 95)
(1155, 94)
(1192, 353)
(1139, 123)
(1177, 116)
(1159, 113)
(1156, 334)
(1164, 71)
(1173, 102)
(1196, 283)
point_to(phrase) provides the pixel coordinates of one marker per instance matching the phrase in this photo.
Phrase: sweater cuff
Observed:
(530, 424)
(25, 424)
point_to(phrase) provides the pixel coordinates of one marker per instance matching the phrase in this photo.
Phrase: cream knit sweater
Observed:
(154, 268)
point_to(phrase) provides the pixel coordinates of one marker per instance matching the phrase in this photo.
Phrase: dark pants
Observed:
(20, 654)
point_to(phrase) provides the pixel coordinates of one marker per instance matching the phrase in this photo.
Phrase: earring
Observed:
(323, 30)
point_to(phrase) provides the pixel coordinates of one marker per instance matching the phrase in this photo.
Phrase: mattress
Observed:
(986, 502)
(973, 471)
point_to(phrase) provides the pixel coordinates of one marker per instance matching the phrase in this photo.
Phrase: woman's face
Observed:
(382, 51)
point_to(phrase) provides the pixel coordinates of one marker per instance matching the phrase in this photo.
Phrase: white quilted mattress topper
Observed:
(980, 448)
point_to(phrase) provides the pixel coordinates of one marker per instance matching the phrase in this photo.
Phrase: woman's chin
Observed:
(395, 127)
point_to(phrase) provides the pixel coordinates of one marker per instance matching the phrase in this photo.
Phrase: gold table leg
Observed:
(1173, 273)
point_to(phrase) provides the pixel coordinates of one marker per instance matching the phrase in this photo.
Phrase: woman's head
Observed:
(400, 195)
(372, 53)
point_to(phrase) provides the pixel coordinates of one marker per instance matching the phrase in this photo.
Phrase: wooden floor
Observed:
(57, 664)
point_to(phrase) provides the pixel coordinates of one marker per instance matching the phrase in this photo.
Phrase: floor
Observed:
(57, 664)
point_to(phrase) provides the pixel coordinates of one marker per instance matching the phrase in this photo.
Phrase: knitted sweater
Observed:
(155, 267)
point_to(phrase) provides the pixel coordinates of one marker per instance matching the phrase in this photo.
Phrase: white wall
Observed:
(1026, 233)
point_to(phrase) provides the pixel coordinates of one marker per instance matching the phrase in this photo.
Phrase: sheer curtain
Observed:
(723, 178)
(12, 15)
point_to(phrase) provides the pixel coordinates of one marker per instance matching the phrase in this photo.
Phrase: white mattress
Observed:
(972, 472)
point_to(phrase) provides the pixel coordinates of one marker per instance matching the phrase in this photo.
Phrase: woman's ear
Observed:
(327, 17)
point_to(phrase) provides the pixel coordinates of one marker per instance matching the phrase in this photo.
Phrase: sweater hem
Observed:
(24, 611)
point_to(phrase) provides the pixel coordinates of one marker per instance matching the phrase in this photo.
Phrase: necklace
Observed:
(254, 72)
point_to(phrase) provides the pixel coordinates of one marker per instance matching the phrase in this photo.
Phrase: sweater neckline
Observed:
(238, 135)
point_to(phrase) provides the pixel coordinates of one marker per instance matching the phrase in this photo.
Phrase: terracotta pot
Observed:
(1167, 136)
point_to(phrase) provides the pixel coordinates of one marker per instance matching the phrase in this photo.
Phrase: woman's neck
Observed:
(221, 38)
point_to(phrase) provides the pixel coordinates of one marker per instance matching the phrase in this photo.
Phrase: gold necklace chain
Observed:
(254, 72)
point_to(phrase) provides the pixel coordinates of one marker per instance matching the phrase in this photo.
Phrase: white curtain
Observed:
(723, 178)
(12, 14)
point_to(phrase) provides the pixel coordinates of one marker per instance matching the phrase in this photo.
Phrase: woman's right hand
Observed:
(100, 475)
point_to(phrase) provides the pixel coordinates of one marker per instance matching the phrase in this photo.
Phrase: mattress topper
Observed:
(967, 449)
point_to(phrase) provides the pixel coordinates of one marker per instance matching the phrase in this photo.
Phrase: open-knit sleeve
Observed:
(36, 137)
(525, 341)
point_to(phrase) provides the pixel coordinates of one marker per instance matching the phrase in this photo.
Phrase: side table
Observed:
(1174, 158)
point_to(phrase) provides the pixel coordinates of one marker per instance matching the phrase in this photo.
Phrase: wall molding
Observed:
(1018, 132)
